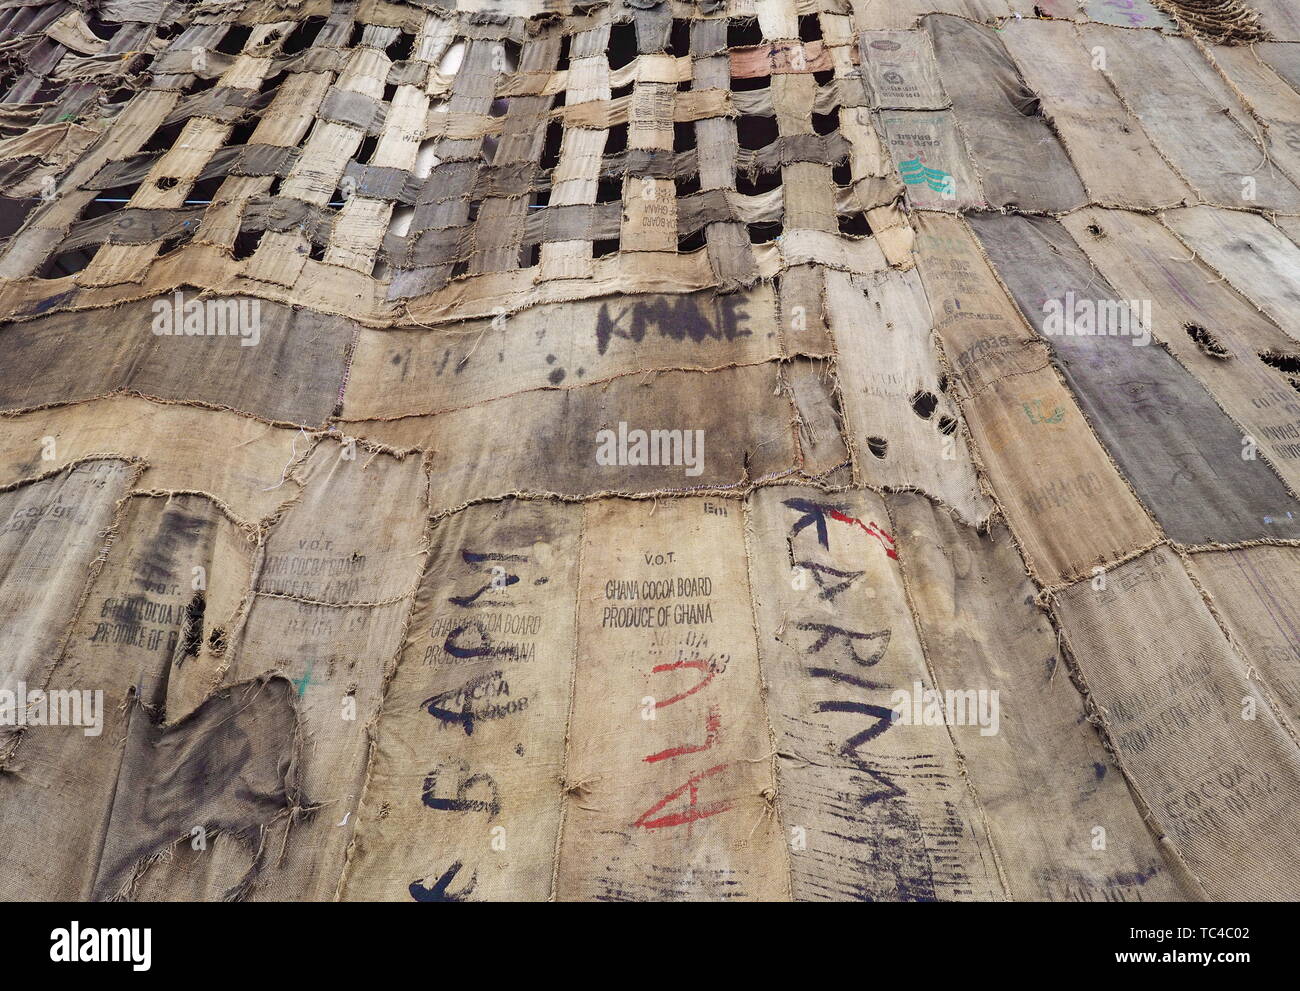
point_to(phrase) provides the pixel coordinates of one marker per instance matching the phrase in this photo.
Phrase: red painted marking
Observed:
(712, 727)
(886, 541)
(694, 813)
(698, 664)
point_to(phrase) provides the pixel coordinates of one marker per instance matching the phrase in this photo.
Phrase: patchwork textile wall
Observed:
(457, 450)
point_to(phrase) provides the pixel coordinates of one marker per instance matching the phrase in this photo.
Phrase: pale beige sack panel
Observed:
(669, 783)
(899, 71)
(1192, 117)
(1095, 128)
(336, 658)
(51, 532)
(1220, 774)
(873, 810)
(356, 533)
(1254, 591)
(1064, 499)
(1255, 258)
(1060, 814)
(821, 422)
(237, 459)
(1270, 97)
(904, 428)
(463, 796)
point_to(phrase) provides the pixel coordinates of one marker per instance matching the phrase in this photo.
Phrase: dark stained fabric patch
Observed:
(292, 372)
(1190, 463)
(1019, 158)
(228, 767)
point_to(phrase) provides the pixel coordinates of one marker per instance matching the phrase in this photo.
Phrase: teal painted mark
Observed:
(914, 173)
(305, 680)
(1036, 414)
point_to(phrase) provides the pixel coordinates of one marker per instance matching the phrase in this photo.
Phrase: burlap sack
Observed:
(669, 785)
(900, 71)
(1252, 255)
(1209, 759)
(237, 459)
(404, 372)
(1272, 101)
(293, 373)
(354, 535)
(1068, 506)
(871, 809)
(1213, 332)
(464, 791)
(1251, 589)
(1094, 126)
(1020, 161)
(1188, 461)
(1192, 117)
(51, 534)
(903, 427)
(477, 455)
(931, 157)
(225, 771)
(1059, 812)
(142, 622)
